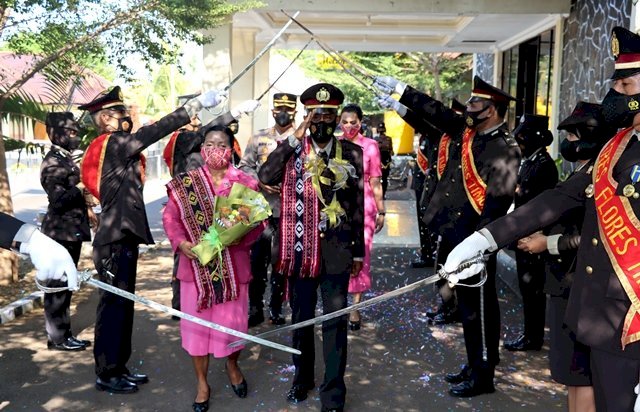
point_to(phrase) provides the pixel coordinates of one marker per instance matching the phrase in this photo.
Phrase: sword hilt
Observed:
(480, 258)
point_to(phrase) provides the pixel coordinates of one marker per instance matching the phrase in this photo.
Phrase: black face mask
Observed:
(74, 143)
(620, 109)
(572, 151)
(472, 118)
(125, 124)
(322, 132)
(284, 119)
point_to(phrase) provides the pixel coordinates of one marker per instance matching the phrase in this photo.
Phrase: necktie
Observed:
(324, 156)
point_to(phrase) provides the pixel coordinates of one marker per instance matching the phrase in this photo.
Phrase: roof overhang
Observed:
(413, 25)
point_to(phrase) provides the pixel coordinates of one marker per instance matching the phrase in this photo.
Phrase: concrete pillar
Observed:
(216, 57)
(243, 50)
(261, 81)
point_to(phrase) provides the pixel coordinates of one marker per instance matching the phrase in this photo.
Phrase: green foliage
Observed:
(69, 35)
(411, 68)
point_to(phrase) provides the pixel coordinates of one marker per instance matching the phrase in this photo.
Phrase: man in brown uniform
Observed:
(604, 304)
(113, 170)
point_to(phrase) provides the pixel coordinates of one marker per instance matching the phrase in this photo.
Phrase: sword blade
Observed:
(374, 301)
(263, 51)
(186, 316)
(284, 71)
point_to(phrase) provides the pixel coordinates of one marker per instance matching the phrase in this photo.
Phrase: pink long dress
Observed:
(198, 340)
(372, 168)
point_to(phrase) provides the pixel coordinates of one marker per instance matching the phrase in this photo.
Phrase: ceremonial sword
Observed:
(86, 277)
(263, 51)
(441, 274)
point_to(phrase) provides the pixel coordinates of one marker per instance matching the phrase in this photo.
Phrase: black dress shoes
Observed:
(521, 344)
(277, 319)
(68, 345)
(298, 393)
(444, 318)
(463, 375)
(85, 343)
(255, 319)
(240, 389)
(469, 388)
(137, 378)
(117, 384)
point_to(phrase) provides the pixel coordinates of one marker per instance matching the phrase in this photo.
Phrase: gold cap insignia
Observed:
(285, 98)
(469, 121)
(615, 46)
(633, 104)
(323, 95)
(120, 97)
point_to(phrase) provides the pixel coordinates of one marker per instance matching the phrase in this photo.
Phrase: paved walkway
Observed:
(396, 362)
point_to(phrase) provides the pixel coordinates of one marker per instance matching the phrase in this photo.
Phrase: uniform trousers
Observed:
(264, 252)
(449, 304)
(426, 246)
(614, 378)
(531, 277)
(57, 318)
(114, 317)
(303, 299)
(385, 180)
(482, 346)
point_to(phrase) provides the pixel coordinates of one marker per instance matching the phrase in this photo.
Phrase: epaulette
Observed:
(511, 141)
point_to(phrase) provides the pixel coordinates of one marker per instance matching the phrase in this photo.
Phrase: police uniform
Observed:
(265, 251)
(123, 226)
(598, 310)
(325, 263)
(538, 172)
(385, 145)
(66, 222)
(493, 157)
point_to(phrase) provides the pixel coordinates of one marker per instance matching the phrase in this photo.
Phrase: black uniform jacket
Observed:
(597, 302)
(186, 152)
(561, 267)
(123, 212)
(66, 217)
(10, 226)
(497, 157)
(340, 244)
(537, 174)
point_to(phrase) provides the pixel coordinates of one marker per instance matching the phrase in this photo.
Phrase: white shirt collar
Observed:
(326, 149)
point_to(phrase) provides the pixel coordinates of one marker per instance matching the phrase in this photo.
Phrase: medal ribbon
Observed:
(474, 186)
(620, 231)
(443, 154)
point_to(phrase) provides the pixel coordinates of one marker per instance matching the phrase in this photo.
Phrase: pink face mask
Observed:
(350, 131)
(216, 157)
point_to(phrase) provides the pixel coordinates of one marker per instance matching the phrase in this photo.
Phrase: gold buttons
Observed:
(589, 270)
(594, 241)
(447, 194)
(321, 235)
(459, 166)
(453, 180)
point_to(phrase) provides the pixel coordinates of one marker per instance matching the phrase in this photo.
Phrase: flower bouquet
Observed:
(234, 216)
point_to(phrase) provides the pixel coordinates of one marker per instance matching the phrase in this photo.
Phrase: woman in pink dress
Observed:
(350, 122)
(219, 299)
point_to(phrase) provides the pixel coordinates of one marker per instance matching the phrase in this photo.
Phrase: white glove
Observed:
(246, 107)
(211, 98)
(207, 99)
(636, 405)
(467, 249)
(51, 259)
(388, 102)
(389, 85)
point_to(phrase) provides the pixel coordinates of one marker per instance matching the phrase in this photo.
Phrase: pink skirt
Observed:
(199, 340)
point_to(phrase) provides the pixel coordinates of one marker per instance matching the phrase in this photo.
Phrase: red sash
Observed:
(620, 231)
(423, 162)
(474, 186)
(443, 154)
(92, 161)
(169, 151)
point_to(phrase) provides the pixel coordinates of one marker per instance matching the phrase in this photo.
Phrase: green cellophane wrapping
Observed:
(218, 236)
